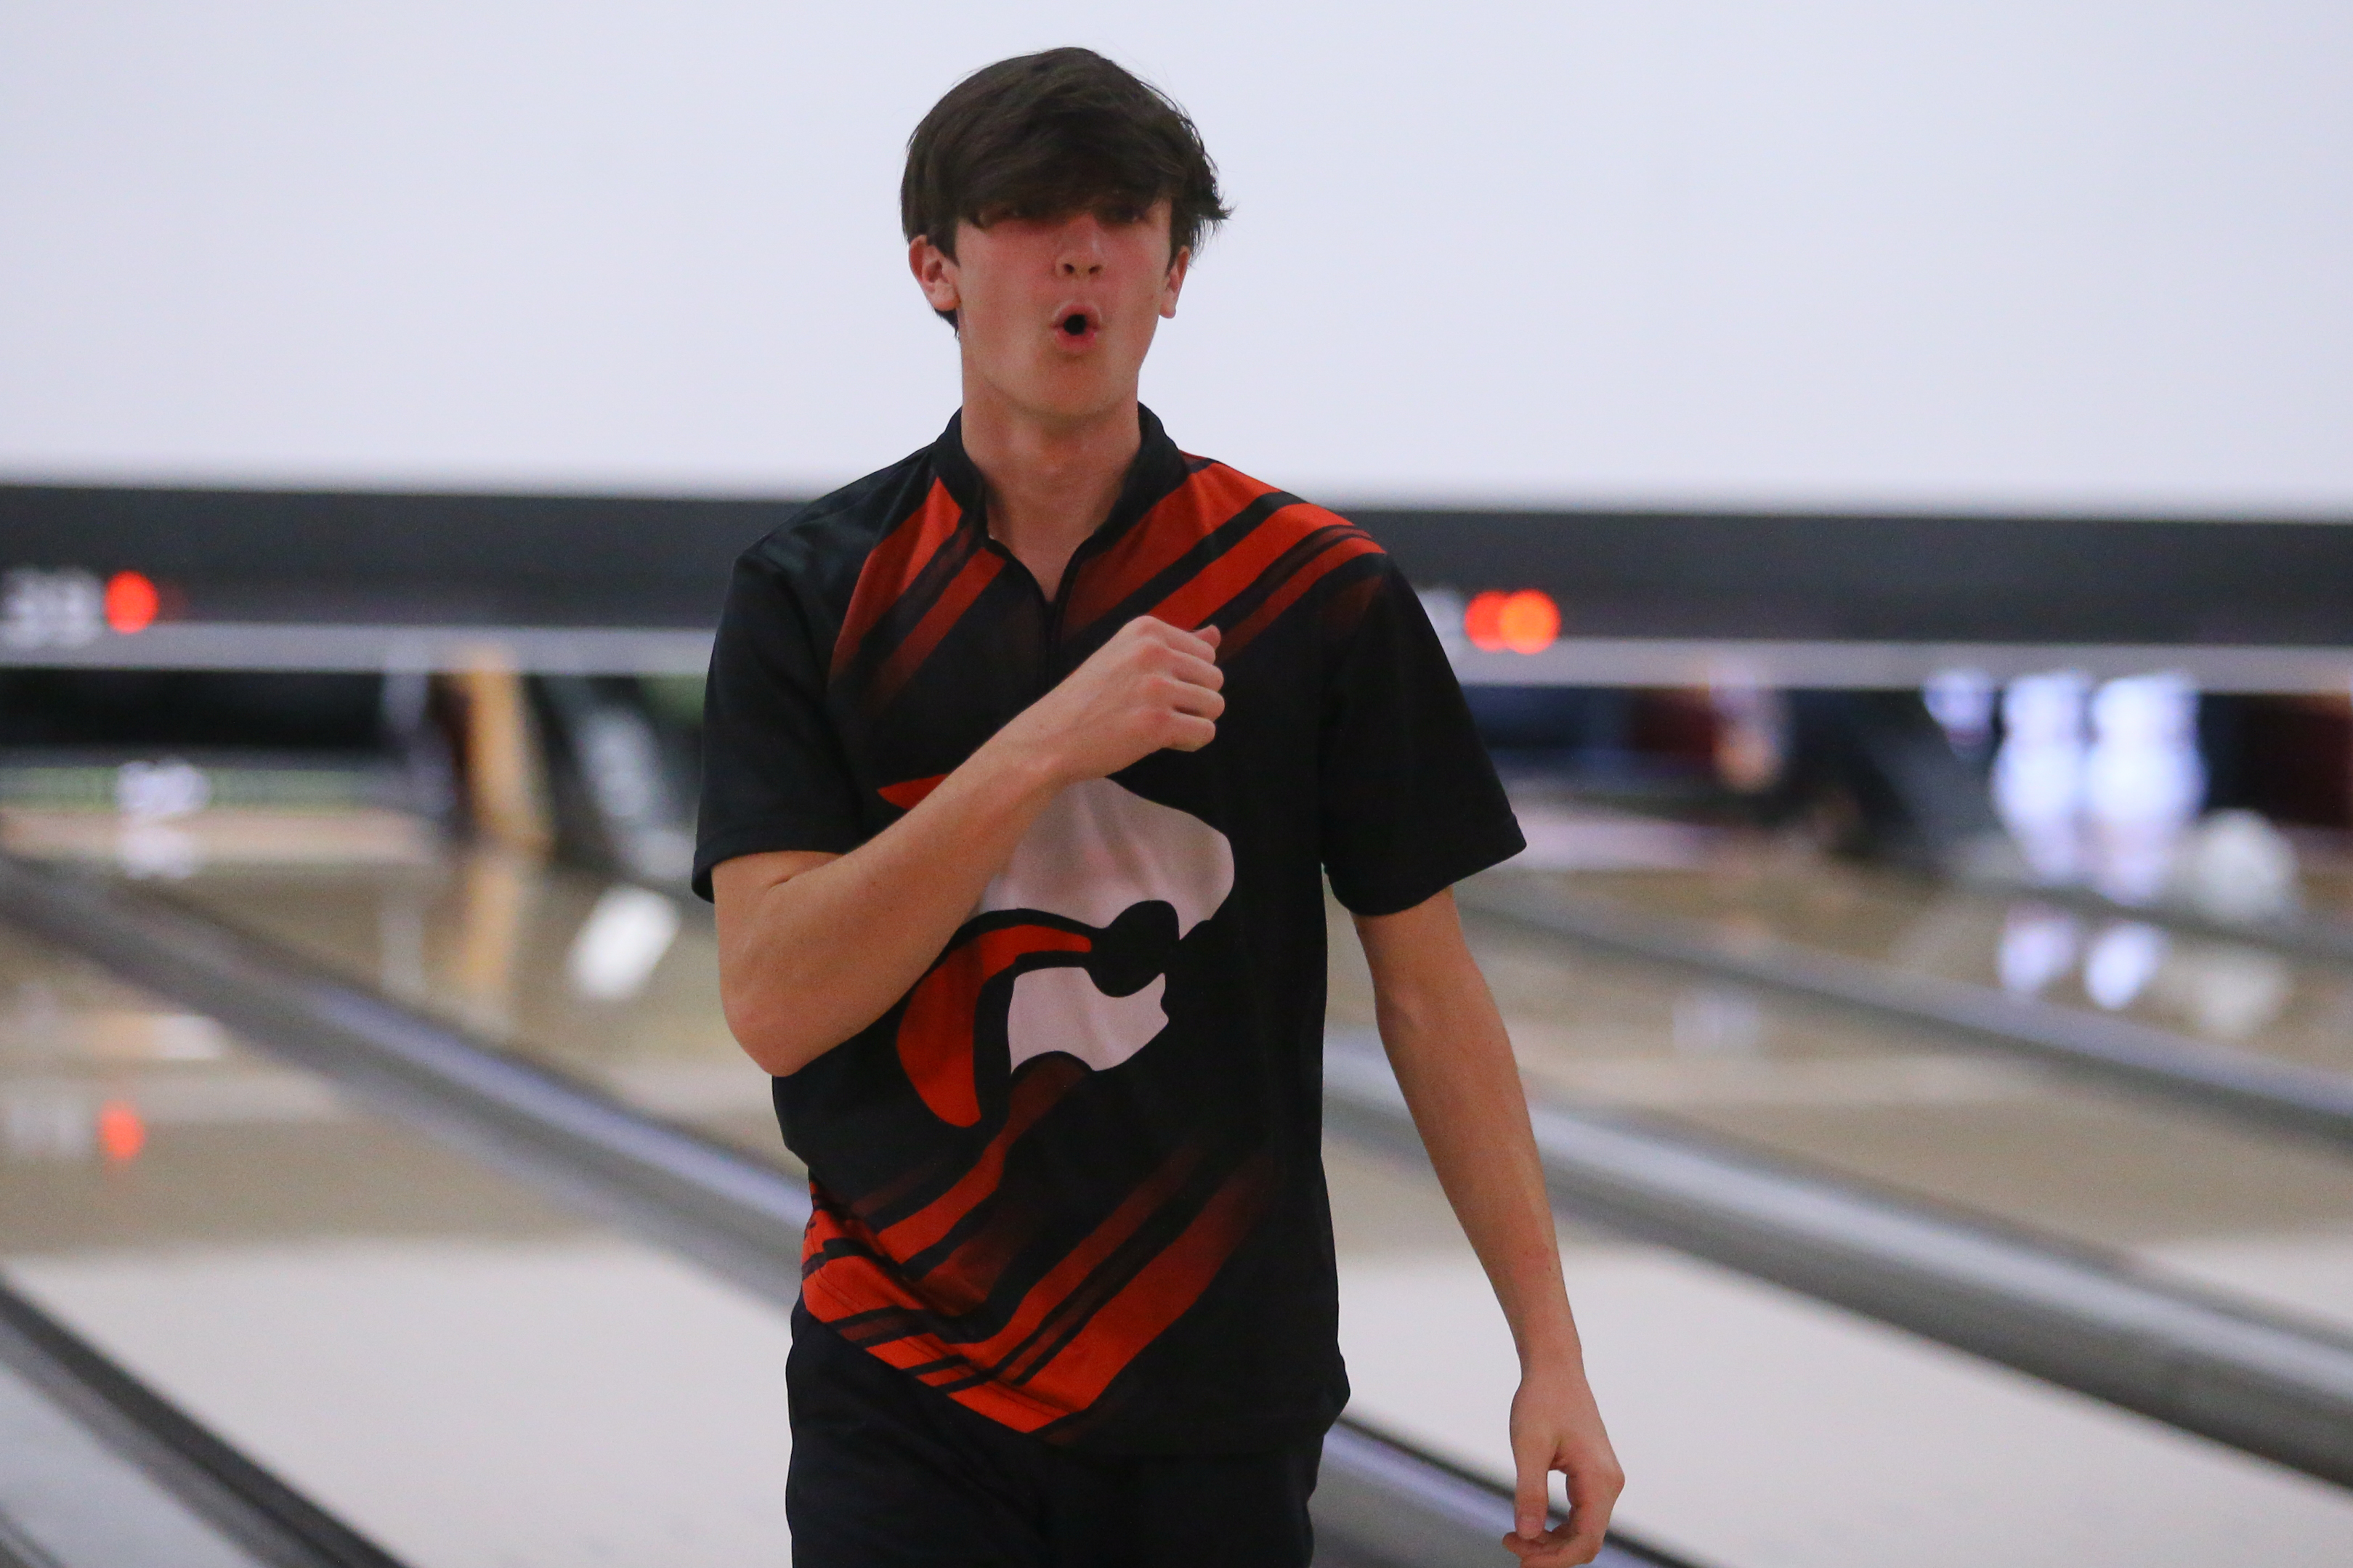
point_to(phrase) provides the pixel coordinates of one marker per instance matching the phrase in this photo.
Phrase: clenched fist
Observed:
(1151, 688)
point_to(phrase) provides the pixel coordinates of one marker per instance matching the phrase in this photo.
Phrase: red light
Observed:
(1530, 621)
(130, 602)
(121, 1133)
(1483, 621)
(1525, 622)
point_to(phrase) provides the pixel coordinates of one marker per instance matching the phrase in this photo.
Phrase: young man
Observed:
(1027, 758)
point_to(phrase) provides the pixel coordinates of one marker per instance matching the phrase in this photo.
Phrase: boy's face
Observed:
(1055, 314)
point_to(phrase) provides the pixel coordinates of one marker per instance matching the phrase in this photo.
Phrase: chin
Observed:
(1060, 399)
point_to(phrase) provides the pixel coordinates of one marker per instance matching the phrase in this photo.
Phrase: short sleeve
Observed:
(1410, 803)
(774, 772)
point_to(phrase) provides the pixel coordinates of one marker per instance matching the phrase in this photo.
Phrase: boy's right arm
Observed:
(813, 947)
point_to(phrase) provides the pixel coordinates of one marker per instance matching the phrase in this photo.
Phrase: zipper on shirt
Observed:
(1062, 600)
(1049, 668)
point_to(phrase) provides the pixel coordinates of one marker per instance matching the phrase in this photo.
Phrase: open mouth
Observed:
(1076, 327)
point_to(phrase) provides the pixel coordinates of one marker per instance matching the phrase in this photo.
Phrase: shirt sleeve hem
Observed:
(767, 838)
(1395, 896)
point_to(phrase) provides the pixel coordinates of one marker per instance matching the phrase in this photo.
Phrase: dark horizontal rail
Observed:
(236, 1495)
(725, 1208)
(2246, 1084)
(650, 559)
(2067, 1314)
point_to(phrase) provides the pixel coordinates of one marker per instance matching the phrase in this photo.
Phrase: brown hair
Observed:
(1062, 131)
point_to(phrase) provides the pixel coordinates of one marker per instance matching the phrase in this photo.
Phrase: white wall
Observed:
(2016, 253)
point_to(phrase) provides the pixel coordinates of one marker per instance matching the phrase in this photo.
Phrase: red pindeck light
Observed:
(121, 1132)
(130, 602)
(1525, 622)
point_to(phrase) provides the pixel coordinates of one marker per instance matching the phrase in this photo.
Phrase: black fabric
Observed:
(888, 1474)
(1410, 805)
(1074, 1180)
(775, 774)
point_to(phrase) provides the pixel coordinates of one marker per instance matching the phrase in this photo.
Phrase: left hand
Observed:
(1555, 1425)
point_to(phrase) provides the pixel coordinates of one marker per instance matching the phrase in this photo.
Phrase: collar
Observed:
(1158, 468)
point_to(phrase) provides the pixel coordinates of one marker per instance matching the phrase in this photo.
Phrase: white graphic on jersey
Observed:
(1094, 853)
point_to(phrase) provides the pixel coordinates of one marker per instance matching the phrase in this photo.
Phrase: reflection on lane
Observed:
(2233, 992)
(429, 1351)
(614, 981)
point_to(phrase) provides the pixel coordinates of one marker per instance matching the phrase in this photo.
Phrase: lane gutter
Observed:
(245, 1502)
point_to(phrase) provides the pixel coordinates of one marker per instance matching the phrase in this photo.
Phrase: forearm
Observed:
(808, 961)
(1454, 1063)
(1453, 1060)
(813, 948)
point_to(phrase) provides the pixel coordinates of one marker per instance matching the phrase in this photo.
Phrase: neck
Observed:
(1051, 482)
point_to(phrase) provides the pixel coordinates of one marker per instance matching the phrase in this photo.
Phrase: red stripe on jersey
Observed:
(1214, 585)
(892, 566)
(909, 795)
(1075, 1376)
(853, 1284)
(962, 1280)
(1032, 1097)
(1206, 502)
(1342, 550)
(936, 1364)
(936, 1030)
(925, 1355)
(1062, 1284)
(876, 1288)
(971, 578)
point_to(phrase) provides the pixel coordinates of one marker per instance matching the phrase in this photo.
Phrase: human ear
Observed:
(1174, 283)
(935, 273)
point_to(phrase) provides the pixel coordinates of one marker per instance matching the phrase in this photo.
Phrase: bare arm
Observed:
(1454, 1062)
(813, 948)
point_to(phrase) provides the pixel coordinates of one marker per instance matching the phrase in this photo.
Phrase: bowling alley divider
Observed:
(1379, 1503)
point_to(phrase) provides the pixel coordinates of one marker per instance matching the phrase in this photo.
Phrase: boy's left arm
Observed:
(1453, 1060)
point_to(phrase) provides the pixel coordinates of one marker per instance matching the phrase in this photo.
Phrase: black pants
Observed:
(886, 1473)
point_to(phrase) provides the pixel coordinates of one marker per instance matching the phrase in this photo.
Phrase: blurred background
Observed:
(1882, 473)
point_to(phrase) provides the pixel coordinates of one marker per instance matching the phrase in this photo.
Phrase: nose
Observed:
(1080, 253)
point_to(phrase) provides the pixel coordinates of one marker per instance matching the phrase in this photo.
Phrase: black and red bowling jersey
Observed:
(1073, 1178)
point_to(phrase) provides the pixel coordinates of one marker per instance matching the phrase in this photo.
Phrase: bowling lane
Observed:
(469, 1375)
(2231, 993)
(1760, 1425)
(2267, 1219)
